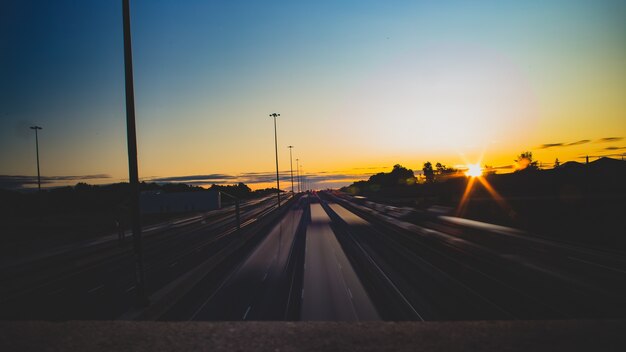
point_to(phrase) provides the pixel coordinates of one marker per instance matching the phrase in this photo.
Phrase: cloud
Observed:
(193, 178)
(559, 145)
(502, 167)
(371, 168)
(20, 182)
(325, 177)
(17, 182)
(614, 148)
(609, 139)
(582, 141)
(550, 145)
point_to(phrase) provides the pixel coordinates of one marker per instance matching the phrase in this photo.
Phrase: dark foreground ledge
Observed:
(572, 335)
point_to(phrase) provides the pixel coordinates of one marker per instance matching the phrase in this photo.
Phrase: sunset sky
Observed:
(360, 86)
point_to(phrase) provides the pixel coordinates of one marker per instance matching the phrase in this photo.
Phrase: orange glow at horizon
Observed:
(474, 170)
(492, 192)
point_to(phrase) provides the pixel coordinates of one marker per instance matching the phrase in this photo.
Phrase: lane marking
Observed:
(596, 264)
(246, 314)
(95, 288)
(264, 277)
(173, 264)
(130, 289)
(349, 292)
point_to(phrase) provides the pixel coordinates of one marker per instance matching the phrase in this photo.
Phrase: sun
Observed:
(474, 170)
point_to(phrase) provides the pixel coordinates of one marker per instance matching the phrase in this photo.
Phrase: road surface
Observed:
(332, 290)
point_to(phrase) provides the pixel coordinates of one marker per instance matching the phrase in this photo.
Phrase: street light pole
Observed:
(274, 115)
(133, 171)
(37, 150)
(291, 166)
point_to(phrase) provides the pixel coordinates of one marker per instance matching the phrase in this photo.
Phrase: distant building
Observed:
(161, 202)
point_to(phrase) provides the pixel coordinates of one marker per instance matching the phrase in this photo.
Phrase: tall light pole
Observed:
(298, 173)
(275, 115)
(37, 151)
(291, 166)
(133, 171)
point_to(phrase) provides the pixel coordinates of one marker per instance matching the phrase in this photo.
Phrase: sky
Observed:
(360, 86)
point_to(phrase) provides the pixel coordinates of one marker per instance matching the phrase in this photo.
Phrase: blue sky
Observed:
(358, 83)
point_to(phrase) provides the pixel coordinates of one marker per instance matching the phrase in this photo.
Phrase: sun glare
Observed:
(474, 170)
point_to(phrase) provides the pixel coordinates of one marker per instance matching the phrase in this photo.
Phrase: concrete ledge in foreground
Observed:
(573, 335)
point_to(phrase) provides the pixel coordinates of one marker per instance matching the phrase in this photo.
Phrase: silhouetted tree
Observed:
(240, 190)
(557, 163)
(398, 176)
(443, 170)
(429, 173)
(525, 162)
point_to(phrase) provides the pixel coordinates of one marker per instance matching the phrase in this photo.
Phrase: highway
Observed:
(331, 290)
(325, 256)
(97, 282)
(255, 288)
(455, 269)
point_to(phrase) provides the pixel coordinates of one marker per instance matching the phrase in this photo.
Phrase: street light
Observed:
(37, 150)
(291, 166)
(274, 115)
(133, 171)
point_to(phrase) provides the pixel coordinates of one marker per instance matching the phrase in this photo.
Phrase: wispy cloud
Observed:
(371, 168)
(551, 145)
(559, 145)
(609, 139)
(504, 167)
(193, 178)
(582, 141)
(268, 177)
(334, 179)
(614, 148)
(16, 182)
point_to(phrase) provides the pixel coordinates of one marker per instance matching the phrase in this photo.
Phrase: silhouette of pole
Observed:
(37, 151)
(133, 172)
(298, 174)
(274, 115)
(291, 166)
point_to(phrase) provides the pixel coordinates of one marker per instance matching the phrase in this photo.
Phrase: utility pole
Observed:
(37, 150)
(274, 115)
(133, 171)
(291, 166)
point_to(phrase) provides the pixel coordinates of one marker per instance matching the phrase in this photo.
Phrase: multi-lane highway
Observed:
(450, 268)
(326, 257)
(97, 281)
(257, 288)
